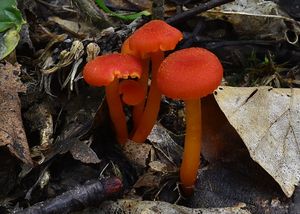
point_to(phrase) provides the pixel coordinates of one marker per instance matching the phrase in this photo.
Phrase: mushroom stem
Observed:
(138, 109)
(192, 146)
(116, 112)
(150, 113)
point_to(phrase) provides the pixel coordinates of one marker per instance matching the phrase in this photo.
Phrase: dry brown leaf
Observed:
(268, 121)
(81, 151)
(137, 153)
(12, 133)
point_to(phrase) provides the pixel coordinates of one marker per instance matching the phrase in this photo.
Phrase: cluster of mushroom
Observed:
(187, 74)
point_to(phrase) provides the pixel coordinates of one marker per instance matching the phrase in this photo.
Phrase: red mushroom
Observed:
(139, 108)
(190, 74)
(131, 91)
(106, 71)
(150, 41)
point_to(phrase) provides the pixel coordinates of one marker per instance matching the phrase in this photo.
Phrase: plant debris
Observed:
(12, 133)
(135, 207)
(267, 119)
(93, 192)
(66, 154)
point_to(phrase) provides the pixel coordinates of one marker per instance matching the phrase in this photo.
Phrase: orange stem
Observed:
(192, 146)
(116, 112)
(150, 113)
(139, 109)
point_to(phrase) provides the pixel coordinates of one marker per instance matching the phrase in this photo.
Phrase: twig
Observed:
(198, 28)
(214, 44)
(192, 12)
(78, 198)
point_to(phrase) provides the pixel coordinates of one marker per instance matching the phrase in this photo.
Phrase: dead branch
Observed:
(89, 194)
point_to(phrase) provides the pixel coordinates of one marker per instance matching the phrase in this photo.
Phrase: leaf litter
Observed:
(12, 132)
(265, 19)
(267, 119)
(149, 207)
(162, 154)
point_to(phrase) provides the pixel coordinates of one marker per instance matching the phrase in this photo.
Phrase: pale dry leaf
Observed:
(76, 27)
(127, 206)
(12, 133)
(268, 121)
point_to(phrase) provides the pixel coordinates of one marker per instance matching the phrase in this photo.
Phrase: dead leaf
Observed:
(137, 153)
(78, 28)
(69, 139)
(40, 118)
(12, 133)
(263, 19)
(158, 166)
(127, 206)
(81, 151)
(129, 5)
(168, 151)
(148, 180)
(268, 121)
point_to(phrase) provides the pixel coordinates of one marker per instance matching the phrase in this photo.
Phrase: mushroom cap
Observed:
(102, 70)
(132, 92)
(189, 74)
(154, 36)
(126, 50)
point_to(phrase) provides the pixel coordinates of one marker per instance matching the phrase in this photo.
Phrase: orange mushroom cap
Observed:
(189, 74)
(154, 36)
(132, 92)
(104, 69)
(125, 49)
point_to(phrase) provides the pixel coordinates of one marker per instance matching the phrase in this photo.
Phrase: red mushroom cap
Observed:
(126, 50)
(189, 74)
(104, 69)
(132, 92)
(154, 36)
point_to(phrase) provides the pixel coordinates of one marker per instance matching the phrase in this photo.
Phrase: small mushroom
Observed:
(138, 109)
(131, 91)
(150, 41)
(190, 74)
(106, 71)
